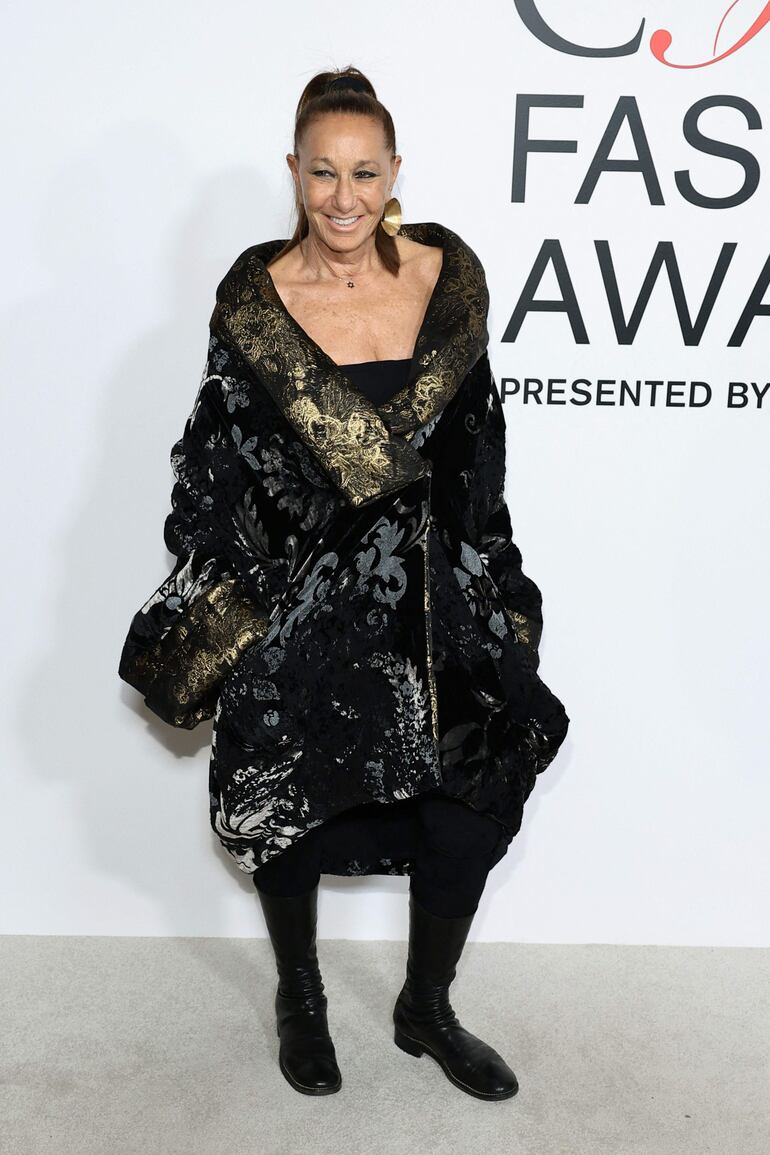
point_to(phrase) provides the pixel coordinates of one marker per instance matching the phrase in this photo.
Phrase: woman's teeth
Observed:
(343, 220)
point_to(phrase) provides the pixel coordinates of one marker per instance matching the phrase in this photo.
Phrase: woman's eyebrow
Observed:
(327, 160)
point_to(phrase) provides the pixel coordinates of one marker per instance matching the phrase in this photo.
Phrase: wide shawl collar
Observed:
(365, 449)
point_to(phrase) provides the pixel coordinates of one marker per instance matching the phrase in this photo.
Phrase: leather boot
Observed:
(423, 1015)
(306, 1052)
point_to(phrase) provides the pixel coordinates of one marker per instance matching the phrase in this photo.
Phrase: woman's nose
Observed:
(344, 194)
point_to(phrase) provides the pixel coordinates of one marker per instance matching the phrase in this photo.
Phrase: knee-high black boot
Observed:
(306, 1054)
(423, 1015)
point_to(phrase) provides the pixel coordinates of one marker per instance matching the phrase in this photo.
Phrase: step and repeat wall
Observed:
(609, 164)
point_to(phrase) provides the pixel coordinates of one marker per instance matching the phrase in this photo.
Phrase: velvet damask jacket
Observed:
(348, 603)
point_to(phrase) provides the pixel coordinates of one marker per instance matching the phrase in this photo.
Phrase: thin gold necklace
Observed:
(346, 278)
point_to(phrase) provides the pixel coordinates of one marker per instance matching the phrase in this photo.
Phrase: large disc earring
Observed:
(391, 217)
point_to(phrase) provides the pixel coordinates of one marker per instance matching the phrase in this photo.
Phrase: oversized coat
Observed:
(348, 602)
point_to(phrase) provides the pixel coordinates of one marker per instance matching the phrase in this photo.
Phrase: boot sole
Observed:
(303, 1090)
(415, 1047)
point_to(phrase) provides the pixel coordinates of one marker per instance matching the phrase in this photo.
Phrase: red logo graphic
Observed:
(660, 41)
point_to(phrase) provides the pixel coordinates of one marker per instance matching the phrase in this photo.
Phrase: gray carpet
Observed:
(157, 1046)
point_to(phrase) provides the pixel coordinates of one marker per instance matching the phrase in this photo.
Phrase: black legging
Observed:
(449, 873)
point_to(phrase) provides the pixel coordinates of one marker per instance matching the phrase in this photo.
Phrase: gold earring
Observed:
(391, 217)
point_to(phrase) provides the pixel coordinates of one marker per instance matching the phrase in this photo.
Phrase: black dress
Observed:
(447, 846)
(378, 380)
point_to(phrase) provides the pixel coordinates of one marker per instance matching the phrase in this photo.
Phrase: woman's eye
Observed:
(326, 172)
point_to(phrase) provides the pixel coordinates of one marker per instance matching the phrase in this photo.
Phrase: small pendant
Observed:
(351, 285)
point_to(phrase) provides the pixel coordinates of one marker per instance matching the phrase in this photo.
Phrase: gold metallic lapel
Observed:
(361, 445)
(453, 334)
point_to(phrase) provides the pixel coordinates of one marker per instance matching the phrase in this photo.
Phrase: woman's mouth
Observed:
(344, 224)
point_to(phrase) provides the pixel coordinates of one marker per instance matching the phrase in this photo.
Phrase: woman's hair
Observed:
(326, 93)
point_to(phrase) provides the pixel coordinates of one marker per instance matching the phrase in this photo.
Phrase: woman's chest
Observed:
(364, 323)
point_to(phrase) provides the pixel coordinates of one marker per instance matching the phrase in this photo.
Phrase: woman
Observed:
(347, 601)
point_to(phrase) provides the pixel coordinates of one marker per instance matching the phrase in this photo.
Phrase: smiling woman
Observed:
(348, 602)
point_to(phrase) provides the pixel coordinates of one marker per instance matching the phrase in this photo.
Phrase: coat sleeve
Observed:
(214, 516)
(520, 596)
(215, 601)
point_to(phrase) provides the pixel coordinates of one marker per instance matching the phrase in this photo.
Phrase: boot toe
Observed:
(489, 1078)
(490, 1074)
(500, 1080)
(314, 1074)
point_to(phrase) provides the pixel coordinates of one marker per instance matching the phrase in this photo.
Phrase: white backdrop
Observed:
(144, 149)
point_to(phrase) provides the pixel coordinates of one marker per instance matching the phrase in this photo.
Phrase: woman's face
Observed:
(343, 170)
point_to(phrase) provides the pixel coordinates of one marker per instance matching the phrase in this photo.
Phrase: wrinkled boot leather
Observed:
(306, 1053)
(424, 1019)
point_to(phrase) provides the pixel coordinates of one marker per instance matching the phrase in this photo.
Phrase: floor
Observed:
(156, 1046)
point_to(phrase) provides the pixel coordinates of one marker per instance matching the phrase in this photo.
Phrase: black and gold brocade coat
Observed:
(347, 602)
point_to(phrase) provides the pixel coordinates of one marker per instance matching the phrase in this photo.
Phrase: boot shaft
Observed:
(435, 946)
(292, 926)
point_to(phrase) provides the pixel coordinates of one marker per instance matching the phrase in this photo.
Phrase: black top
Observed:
(378, 380)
